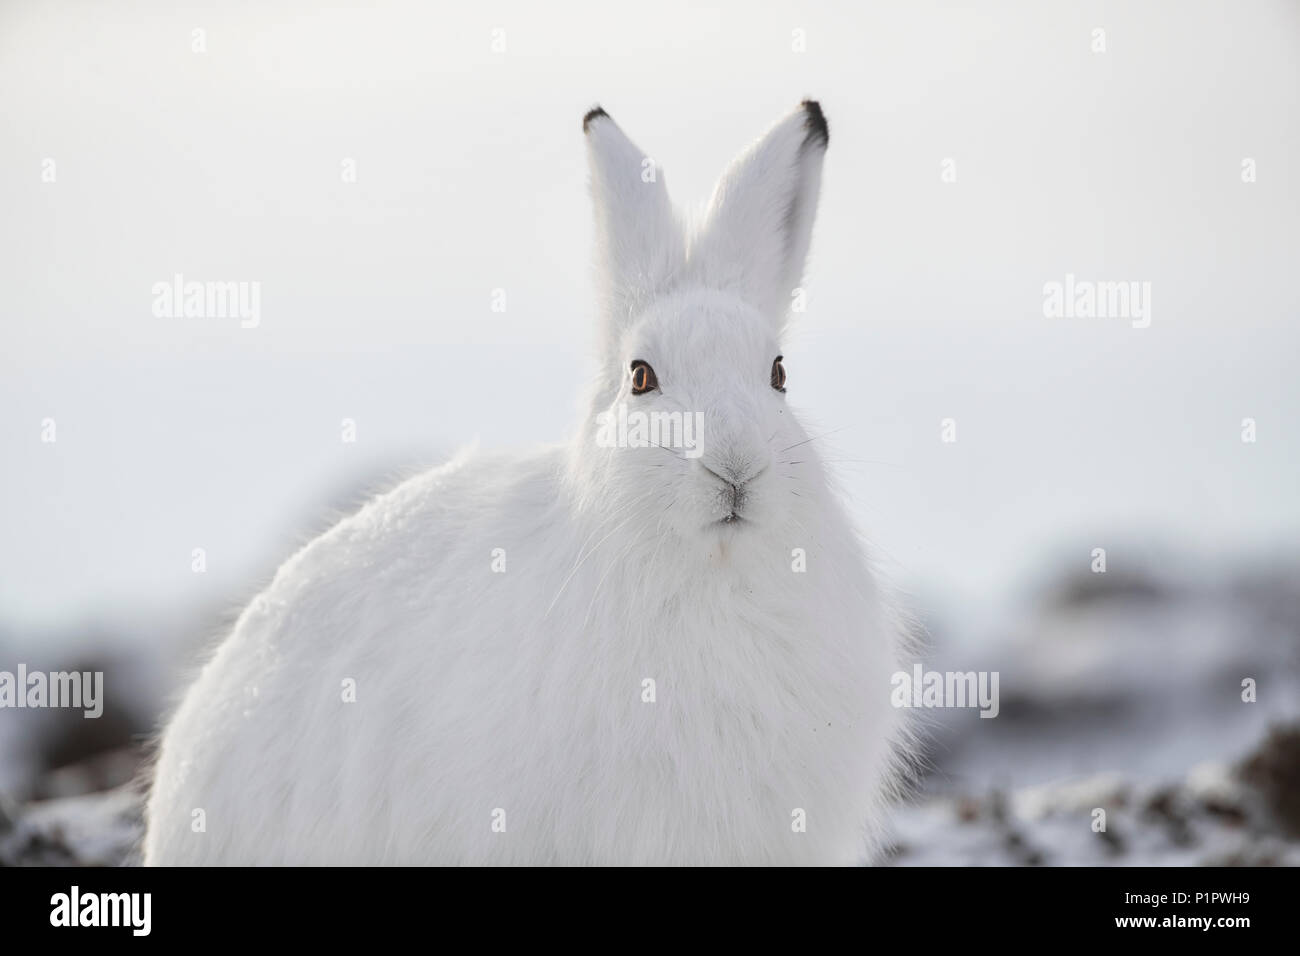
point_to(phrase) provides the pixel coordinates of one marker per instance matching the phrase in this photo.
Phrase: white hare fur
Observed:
(502, 717)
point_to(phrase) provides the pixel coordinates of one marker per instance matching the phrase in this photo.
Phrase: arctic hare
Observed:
(616, 650)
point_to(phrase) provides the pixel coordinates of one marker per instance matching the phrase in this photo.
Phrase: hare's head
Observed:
(690, 417)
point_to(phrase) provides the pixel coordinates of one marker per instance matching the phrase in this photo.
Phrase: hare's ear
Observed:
(758, 226)
(640, 243)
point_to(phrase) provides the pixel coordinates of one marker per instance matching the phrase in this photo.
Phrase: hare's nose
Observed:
(735, 472)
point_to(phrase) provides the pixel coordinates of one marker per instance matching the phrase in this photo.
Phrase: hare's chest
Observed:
(736, 665)
(710, 732)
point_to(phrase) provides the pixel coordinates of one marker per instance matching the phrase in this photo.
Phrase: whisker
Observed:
(582, 560)
(814, 438)
(862, 461)
(667, 449)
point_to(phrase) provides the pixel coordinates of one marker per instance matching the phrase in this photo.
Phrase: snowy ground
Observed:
(1246, 814)
(1218, 815)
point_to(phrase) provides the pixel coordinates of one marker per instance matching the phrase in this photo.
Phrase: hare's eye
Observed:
(643, 378)
(778, 374)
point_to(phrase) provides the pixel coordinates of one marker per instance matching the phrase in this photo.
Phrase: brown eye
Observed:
(778, 374)
(643, 378)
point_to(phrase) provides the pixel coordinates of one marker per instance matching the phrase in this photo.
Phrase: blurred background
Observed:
(390, 172)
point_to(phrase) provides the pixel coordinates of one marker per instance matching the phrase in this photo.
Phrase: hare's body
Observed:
(501, 706)
(589, 654)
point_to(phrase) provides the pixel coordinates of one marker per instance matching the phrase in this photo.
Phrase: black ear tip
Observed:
(592, 114)
(815, 123)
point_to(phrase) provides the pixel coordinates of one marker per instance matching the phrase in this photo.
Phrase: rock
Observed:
(101, 829)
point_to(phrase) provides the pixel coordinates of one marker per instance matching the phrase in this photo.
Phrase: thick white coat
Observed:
(507, 716)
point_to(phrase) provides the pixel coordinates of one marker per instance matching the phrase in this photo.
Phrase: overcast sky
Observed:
(925, 295)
